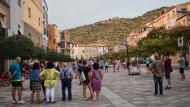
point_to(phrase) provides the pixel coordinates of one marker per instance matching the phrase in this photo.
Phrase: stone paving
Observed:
(119, 90)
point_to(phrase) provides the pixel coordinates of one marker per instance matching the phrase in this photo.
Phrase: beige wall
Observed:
(36, 14)
(182, 21)
(53, 37)
(188, 9)
(33, 27)
(160, 22)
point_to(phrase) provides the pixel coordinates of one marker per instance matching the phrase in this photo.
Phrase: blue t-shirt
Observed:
(34, 75)
(15, 67)
(79, 67)
(147, 61)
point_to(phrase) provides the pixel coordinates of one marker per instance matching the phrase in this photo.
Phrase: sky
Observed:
(73, 13)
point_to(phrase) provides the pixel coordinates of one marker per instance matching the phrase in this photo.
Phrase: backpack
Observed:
(156, 68)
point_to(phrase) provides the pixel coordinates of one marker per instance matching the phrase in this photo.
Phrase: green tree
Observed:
(17, 45)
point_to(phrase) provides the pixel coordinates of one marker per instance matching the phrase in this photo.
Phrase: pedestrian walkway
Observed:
(119, 90)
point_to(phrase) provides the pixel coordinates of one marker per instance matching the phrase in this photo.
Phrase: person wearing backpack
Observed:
(96, 80)
(66, 82)
(157, 69)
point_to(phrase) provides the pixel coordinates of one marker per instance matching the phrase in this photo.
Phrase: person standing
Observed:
(16, 80)
(42, 67)
(181, 62)
(49, 76)
(168, 70)
(79, 70)
(35, 83)
(66, 82)
(87, 83)
(157, 69)
(106, 66)
(97, 77)
(118, 63)
(147, 61)
(114, 64)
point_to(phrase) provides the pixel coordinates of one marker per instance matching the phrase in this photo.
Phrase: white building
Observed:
(102, 50)
(16, 17)
(45, 25)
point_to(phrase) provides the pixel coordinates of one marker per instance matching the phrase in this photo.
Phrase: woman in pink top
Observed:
(96, 81)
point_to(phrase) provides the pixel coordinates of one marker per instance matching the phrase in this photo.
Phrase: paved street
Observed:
(119, 90)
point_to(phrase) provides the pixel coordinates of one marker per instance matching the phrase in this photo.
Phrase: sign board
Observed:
(180, 42)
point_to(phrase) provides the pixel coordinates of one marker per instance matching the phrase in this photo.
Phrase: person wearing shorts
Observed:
(181, 62)
(16, 81)
(168, 70)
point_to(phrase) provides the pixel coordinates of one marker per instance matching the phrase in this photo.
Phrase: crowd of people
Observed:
(44, 76)
(161, 68)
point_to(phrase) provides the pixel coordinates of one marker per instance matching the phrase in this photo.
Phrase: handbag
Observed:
(82, 76)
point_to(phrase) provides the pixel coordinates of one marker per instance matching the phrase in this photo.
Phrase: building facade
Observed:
(173, 15)
(85, 51)
(33, 15)
(188, 14)
(182, 21)
(4, 26)
(53, 37)
(45, 25)
(66, 46)
(160, 21)
(16, 17)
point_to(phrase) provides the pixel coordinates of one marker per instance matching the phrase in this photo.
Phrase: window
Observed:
(168, 16)
(173, 13)
(184, 22)
(29, 34)
(39, 21)
(29, 12)
(19, 3)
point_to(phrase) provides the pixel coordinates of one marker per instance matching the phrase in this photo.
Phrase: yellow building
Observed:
(80, 52)
(85, 51)
(53, 37)
(33, 14)
(182, 21)
(160, 21)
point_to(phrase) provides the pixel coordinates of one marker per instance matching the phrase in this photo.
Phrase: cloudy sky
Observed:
(72, 13)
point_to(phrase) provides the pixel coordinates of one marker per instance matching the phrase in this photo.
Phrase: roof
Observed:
(181, 17)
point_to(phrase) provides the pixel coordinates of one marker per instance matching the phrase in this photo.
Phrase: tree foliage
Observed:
(19, 45)
(164, 41)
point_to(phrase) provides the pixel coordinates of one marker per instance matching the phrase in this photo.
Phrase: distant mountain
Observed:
(111, 30)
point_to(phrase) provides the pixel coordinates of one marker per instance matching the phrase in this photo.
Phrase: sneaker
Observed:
(21, 102)
(168, 87)
(14, 102)
(53, 102)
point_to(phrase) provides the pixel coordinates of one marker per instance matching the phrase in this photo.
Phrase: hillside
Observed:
(111, 30)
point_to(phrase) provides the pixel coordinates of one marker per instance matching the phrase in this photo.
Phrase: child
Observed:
(35, 84)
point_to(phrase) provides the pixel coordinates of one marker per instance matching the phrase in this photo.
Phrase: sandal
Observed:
(89, 99)
(38, 102)
(31, 101)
